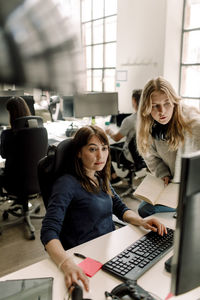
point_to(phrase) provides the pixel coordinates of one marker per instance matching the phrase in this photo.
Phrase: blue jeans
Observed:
(146, 209)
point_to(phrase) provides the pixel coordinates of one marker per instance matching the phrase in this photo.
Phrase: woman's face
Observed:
(94, 155)
(162, 107)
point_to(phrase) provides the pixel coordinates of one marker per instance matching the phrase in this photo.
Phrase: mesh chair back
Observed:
(59, 160)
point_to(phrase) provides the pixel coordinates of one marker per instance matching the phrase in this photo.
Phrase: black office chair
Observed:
(124, 164)
(28, 143)
(51, 166)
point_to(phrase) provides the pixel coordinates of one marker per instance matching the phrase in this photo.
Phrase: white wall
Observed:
(148, 44)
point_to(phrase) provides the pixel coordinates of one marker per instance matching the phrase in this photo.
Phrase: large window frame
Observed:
(189, 87)
(99, 44)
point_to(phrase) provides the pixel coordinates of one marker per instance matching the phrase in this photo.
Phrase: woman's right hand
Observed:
(73, 274)
(166, 180)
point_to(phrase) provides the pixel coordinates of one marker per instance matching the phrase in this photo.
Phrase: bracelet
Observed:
(62, 262)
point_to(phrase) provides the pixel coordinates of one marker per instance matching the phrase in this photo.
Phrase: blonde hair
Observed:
(177, 125)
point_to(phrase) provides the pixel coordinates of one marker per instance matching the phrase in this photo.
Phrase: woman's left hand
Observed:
(154, 225)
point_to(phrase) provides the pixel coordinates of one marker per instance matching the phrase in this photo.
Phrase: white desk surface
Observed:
(57, 129)
(156, 280)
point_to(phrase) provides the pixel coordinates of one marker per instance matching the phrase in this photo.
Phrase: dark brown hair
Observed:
(136, 94)
(81, 138)
(17, 108)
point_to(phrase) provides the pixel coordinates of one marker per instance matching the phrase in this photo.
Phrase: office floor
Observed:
(17, 252)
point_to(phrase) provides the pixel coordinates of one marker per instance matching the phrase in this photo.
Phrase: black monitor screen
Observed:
(186, 258)
(67, 106)
(4, 116)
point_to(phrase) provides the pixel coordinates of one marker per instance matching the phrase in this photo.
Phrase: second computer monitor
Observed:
(95, 104)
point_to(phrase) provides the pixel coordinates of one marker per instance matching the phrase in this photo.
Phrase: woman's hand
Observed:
(109, 131)
(166, 180)
(154, 225)
(73, 274)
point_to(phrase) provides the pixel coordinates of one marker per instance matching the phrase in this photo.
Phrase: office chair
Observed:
(51, 167)
(20, 180)
(124, 164)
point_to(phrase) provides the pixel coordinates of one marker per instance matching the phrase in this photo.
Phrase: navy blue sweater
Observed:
(75, 216)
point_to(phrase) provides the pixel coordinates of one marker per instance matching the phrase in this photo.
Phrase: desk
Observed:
(57, 130)
(156, 280)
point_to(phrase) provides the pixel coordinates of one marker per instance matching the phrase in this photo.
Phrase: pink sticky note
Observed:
(90, 266)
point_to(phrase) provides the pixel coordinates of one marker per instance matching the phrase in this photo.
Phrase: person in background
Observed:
(17, 107)
(129, 149)
(166, 129)
(82, 203)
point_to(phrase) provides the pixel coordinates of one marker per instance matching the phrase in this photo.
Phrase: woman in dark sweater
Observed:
(81, 204)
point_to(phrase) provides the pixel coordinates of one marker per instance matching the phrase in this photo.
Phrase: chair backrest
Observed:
(59, 160)
(27, 146)
(29, 121)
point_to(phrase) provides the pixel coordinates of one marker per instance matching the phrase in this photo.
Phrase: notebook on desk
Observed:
(34, 288)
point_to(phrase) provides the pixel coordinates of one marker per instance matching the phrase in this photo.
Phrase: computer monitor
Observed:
(95, 104)
(67, 106)
(185, 261)
(4, 115)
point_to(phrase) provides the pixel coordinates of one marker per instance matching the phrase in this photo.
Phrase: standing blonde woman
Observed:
(166, 129)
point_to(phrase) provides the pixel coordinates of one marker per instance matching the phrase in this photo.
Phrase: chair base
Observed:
(128, 192)
(21, 215)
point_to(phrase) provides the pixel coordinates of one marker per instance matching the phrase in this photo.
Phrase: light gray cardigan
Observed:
(161, 161)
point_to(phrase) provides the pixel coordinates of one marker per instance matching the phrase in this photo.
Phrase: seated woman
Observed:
(82, 203)
(166, 130)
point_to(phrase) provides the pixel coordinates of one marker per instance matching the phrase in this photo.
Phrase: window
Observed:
(190, 58)
(99, 31)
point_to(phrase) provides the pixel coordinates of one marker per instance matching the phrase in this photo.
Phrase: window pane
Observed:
(109, 80)
(110, 7)
(97, 80)
(89, 80)
(192, 13)
(97, 9)
(110, 55)
(191, 47)
(110, 29)
(190, 86)
(98, 56)
(98, 31)
(86, 34)
(88, 57)
(86, 10)
(192, 102)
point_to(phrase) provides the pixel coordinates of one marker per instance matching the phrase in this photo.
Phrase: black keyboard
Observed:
(140, 256)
